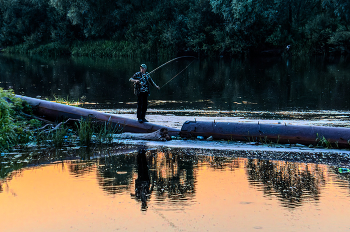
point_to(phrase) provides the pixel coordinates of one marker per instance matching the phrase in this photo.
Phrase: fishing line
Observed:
(177, 74)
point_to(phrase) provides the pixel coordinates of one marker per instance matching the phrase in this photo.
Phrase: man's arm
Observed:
(135, 78)
(150, 80)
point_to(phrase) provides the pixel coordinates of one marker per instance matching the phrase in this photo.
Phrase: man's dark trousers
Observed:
(141, 105)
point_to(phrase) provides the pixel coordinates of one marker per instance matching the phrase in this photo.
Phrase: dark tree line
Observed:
(201, 26)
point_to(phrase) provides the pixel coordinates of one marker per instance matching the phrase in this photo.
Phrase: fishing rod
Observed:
(170, 62)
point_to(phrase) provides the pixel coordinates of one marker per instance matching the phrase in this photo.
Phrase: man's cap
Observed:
(143, 66)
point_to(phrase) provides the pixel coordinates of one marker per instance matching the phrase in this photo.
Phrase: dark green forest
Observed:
(200, 27)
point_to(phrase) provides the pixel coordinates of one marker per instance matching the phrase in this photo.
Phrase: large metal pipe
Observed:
(57, 112)
(277, 133)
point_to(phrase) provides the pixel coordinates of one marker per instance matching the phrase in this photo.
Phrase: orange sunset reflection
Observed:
(172, 190)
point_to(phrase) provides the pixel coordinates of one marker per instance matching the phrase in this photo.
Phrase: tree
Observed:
(247, 23)
(341, 9)
(22, 21)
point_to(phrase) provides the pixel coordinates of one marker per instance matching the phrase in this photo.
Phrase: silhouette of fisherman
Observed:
(142, 81)
(142, 183)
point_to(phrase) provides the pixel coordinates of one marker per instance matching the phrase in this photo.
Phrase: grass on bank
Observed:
(98, 48)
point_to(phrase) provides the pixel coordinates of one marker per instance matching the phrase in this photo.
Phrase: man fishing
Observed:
(142, 81)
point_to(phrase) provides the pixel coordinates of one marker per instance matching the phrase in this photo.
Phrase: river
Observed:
(182, 185)
(260, 84)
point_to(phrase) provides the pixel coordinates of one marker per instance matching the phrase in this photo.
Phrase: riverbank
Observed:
(122, 48)
(97, 48)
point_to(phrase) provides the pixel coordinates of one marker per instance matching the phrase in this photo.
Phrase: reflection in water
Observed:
(79, 169)
(173, 175)
(343, 179)
(170, 175)
(115, 173)
(294, 182)
(180, 189)
(142, 183)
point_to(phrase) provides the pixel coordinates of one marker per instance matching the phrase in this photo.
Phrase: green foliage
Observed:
(323, 142)
(341, 39)
(66, 101)
(209, 27)
(248, 22)
(340, 9)
(58, 137)
(51, 49)
(14, 129)
(41, 138)
(91, 131)
(23, 21)
(103, 48)
(318, 31)
(85, 131)
(104, 133)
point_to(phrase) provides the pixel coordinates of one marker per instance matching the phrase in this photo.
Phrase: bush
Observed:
(106, 48)
(14, 128)
(341, 41)
(51, 49)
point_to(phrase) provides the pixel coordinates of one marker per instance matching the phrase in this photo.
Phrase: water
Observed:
(188, 190)
(261, 84)
(183, 187)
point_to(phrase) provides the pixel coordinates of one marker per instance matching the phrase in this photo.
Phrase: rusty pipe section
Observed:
(57, 112)
(277, 133)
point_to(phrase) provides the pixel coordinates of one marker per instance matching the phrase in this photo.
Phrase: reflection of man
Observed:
(142, 183)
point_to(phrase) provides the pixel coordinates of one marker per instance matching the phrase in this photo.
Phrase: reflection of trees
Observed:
(294, 182)
(11, 165)
(172, 175)
(173, 172)
(9, 176)
(79, 168)
(222, 162)
(115, 173)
